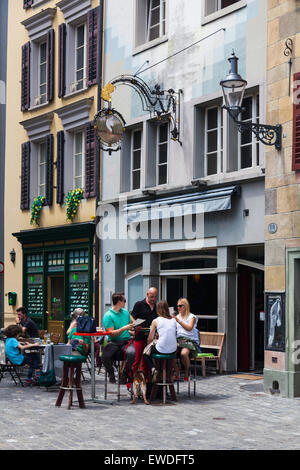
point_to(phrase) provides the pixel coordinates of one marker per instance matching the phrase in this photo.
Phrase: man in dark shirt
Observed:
(145, 310)
(28, 326)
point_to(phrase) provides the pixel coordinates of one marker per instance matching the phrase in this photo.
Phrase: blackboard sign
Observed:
(275, 321)
(79, 296)
(35, 299)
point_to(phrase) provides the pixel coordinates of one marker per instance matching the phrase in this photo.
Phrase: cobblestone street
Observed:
(227, 413)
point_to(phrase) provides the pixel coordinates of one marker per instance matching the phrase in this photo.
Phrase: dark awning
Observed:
(61, 232)
(212, 200)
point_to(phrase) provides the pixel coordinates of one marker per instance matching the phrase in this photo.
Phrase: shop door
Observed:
(56, 305)
(250, 322)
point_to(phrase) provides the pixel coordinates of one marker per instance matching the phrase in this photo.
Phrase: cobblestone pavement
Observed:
(227, 413)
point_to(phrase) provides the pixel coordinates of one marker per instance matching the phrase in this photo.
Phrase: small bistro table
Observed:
(93, 392)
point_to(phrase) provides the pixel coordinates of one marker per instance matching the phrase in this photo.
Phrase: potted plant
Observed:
(36, 208)
(72, 202)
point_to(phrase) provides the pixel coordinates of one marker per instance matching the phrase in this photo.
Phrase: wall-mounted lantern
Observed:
(233, 87)
(12, 255)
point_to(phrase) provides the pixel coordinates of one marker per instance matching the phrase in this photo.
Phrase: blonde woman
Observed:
(186, 335)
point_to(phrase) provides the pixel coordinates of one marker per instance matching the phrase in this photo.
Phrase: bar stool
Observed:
(72, 366)
(163, 364)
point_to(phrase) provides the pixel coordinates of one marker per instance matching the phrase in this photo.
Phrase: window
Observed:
(156, 26)
(211, 6)
(42, 165)
(78, 161)
(79, 41)
(136, 159)
(37, 78)
(213, 140)
(248, 144)
(150, 21)
(80, 57)
(219, 152)
(43, 73)
(162, 154)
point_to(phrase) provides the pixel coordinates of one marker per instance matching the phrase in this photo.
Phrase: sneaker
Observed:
(28, 383)
(129, 390)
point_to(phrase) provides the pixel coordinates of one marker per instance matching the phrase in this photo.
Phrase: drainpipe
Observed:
(98, 164)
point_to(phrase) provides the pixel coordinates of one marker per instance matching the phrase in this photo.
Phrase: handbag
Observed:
(86, 325)
(46, 379)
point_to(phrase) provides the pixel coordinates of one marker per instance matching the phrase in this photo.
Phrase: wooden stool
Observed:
(163, 364)
(72, 365)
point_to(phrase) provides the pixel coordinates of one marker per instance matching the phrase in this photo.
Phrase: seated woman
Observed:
(165, 326)
(78, 312)
(13, 350)
(186, 335)
(80, 344)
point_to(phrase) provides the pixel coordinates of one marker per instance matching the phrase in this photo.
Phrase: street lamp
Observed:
(233, 87)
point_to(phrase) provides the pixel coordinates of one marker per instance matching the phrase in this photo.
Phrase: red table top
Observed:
(98, 333)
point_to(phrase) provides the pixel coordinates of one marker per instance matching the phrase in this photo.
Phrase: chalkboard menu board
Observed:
(34, 295)
(78, 291)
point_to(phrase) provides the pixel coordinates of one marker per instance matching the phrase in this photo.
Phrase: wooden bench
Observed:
(213, 342)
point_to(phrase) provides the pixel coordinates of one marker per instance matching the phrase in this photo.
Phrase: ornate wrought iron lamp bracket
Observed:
(265, 133)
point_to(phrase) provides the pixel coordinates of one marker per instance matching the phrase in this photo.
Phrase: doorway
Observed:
(56, 305)
(250, 319)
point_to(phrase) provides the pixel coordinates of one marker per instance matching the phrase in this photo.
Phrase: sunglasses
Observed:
(179, 306)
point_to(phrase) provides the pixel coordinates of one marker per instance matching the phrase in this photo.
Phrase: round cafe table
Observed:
(93, 391)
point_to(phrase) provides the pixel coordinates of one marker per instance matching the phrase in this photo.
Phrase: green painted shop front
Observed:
(57, 274)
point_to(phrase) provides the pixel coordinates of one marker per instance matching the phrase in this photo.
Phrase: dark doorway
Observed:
(250, 319)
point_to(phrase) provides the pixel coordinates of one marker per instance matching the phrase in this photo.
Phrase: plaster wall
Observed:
(15, 219)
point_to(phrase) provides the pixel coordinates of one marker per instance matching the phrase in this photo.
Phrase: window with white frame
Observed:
(42, 72)
(136, 159)
(80, 56)
(162, 154)
(211, 6)
(156, 25)
(248, 144)
(78, 159)
(42, 165)
(213, 140)
(150, 20)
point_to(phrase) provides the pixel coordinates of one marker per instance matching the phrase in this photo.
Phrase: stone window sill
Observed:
(223, 12)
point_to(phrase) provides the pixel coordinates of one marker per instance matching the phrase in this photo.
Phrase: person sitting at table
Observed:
(186, 328)
(117, 318)
(78, 312)
(13, 352)
(165, 326)
(80, 344)
(29, 328)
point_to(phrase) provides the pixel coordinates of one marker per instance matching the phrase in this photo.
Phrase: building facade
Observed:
(54, 52)
(3, 47)
(282, 221)
(187, 215)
